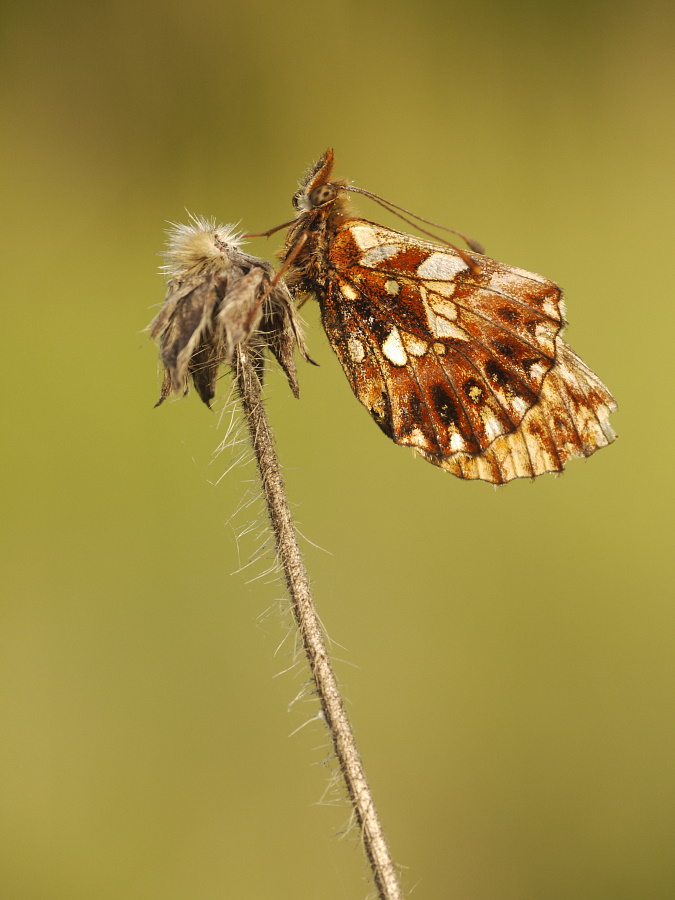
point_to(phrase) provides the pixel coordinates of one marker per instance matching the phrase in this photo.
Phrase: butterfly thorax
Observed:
(308, 248)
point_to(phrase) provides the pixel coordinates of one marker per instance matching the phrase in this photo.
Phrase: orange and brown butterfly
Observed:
(454, 354)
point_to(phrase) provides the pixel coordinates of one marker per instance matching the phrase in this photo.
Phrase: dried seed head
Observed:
(219, 297)
(200, 246)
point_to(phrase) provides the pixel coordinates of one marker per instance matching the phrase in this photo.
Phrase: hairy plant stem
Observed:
(309, 626)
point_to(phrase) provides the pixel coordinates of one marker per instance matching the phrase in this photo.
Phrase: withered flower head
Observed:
(219, 297)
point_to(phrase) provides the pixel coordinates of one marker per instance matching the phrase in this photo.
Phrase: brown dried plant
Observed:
(218, 298)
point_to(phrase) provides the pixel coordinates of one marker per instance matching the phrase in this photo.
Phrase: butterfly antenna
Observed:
(271, 231)
(393, 208)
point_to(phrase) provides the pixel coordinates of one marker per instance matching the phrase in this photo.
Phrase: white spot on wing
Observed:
(393, 348)
(356, 350)
(364, 236)
(457, 442)
(413, 345)
(392, 287)
(375, 255)
(492, 427)
(445, 308)
(441, 265)
(445, 288)
(441, 328)
(550, 307)
(509, 282)
(449, 330)
(348, 291)
(521, 406)
(537, 371)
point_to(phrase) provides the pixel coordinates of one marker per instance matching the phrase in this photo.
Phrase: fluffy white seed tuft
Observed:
(200, 246)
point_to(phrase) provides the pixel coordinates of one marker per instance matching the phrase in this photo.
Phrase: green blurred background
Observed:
(507, 654)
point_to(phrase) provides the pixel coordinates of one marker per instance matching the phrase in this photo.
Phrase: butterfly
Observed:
(453, 354)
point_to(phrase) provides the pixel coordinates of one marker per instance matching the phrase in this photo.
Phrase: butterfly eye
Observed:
(324, 193)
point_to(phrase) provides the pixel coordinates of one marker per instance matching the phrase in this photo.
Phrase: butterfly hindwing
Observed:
(445, 358)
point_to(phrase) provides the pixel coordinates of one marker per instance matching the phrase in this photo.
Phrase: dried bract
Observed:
(219, 297)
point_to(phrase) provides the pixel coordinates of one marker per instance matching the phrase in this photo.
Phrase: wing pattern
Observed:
(446, 359)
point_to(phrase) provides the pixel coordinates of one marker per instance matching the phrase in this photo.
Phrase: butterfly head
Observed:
(317, 190)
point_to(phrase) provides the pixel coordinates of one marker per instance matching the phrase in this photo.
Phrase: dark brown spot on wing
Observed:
(446, 405)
